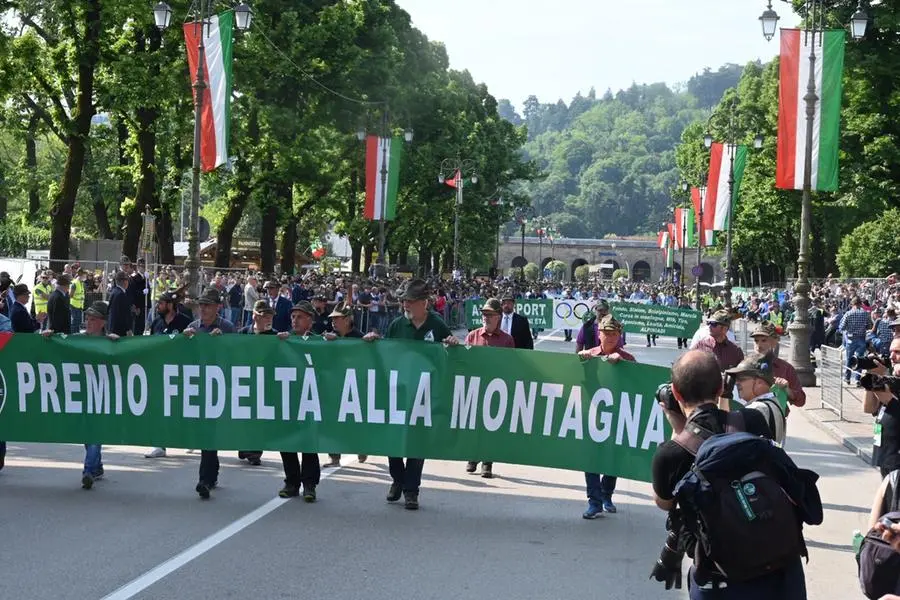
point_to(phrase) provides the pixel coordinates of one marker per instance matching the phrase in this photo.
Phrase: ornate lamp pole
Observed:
(162, 16)
(454, 171)
(799, 328)
(523, 213)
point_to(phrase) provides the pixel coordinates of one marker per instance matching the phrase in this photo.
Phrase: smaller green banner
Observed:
(538, 312)
(657, 319)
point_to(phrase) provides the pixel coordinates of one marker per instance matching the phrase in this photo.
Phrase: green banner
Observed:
(538, 312)
(657, 319)
(394, 398)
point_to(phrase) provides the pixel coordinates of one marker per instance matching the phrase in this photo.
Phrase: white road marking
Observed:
(548, 336)
(138, 585)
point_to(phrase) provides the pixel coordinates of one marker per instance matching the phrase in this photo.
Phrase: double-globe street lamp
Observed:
(162, 16)
(385, 138)
(733, 133)
(814, 33)
(454, 172)
(523, 213)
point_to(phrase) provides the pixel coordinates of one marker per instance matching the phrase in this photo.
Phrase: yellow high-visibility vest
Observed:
(41, 297)
(77, 294)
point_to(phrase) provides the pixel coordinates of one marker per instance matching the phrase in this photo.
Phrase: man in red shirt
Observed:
(600, 488)
(489, 334)
(765, 338)
(728, 355)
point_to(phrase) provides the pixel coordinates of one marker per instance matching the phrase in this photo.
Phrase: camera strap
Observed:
(692, 436)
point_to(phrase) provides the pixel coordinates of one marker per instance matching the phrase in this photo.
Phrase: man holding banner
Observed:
(600, 488)
(417, 323)
(489, 334)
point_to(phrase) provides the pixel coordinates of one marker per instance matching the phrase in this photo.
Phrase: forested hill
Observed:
(609, 162)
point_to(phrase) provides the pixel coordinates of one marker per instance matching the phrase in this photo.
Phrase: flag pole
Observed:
(700, 241)
(384, 175)
(192, 261)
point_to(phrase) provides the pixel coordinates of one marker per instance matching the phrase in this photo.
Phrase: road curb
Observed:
(847, 441)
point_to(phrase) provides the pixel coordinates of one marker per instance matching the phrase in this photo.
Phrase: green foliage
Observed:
(582, 272)
(557, 269)
(620, 274)
(532, 271)
(16, 238)
(873, 248)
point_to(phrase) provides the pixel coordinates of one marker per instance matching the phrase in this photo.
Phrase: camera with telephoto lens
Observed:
(865, 363)
(668, 566)
(664, 394)
(877, 383)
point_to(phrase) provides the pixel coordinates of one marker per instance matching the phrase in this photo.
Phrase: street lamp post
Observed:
(456, 170)
(700, 242)
(162, 17)
(523, 213)
(684, 188)
(799, 328)
(731, 144)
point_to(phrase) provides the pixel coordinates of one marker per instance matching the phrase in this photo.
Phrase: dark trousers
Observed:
(139, 323)
(209, 466)
(409, 475)
(295, 473)
(786, 584)
(599, 487)
(682, 342)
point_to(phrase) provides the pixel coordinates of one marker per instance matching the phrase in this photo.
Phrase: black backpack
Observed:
(879, 563)
(745, 524)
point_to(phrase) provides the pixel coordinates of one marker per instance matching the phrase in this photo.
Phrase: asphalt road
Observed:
(143, 533)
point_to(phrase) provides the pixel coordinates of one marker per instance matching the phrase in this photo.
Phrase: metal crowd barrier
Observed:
(831, 376)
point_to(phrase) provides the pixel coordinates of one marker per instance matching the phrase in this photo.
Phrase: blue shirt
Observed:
(6, 324)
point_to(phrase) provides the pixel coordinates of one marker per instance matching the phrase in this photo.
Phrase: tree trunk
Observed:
(368, 250)
(64, 203)
(146, 189)
(31, 167)
(424, 261)
(403, 257)
(267, 241)
(242, 183)
(355, 256)
(289, 247)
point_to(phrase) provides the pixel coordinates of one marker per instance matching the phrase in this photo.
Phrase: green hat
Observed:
(262, 308)
(720, 317)
(610, 323)
(601, 305)
(342, 310)
(98, 309)
(765, 329)
(756, 365)
(304, 306)
(508, 295)
(492, 305)
(210, 296)
(416, 289)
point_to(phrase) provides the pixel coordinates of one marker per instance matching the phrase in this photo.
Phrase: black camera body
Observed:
(877, 383)
(665, 395)
(865, 363)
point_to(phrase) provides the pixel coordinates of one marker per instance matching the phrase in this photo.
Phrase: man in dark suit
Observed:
(136, 288)
(21, 319)
(59, 310)
(515, 324)
(121, 317)
(281, 305)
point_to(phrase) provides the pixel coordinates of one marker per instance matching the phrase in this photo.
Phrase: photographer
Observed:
(695, 389)
(884, 404)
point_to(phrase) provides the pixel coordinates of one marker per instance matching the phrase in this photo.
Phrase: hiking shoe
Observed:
(593, 511)
(487, 471)
(289, 491)
(334, 462)
(254, 460)
(2, 460)
(471, 466)
(98, 475)
(203, 489)
(242, 455)
(362, 458)
(608, 506)
(87, 481)
(156, 453)
(394, 493)
(412, 500)
(309, 492)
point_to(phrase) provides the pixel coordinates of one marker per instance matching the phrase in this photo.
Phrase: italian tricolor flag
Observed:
(828, 48)
(704, 228)
(382, 153)
(717, 209)
(215, 119)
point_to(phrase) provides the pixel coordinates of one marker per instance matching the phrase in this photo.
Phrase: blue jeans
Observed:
(93, 463)
(77, 318)
(599, 488)
(786, 584)
(855, 347)
(235, 315)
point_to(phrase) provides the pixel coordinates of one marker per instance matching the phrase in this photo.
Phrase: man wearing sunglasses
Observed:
(727, 354)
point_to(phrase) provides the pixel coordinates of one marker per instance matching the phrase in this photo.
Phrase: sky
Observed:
(556, 48)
